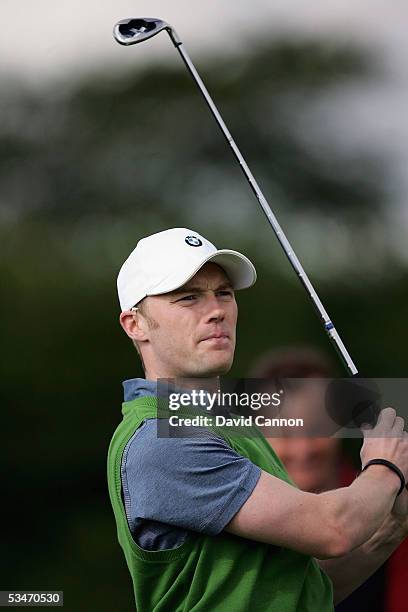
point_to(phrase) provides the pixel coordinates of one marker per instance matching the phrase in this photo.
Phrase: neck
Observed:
(211, 383)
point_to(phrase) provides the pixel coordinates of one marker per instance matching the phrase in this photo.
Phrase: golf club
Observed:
(132, 31)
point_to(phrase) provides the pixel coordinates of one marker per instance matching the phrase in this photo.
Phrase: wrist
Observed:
(399, 512)
(400, 526)
(383, 473)
(392, 532)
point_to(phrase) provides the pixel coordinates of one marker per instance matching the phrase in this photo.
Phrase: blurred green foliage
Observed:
(84, 176)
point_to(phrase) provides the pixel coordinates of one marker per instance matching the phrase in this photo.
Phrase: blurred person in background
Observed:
(318, 464)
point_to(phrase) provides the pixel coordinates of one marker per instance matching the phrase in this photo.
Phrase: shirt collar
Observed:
(134, 388)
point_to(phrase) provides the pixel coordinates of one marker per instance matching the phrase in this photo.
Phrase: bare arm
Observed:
(349, 572)
(326, 525)
(334, 523)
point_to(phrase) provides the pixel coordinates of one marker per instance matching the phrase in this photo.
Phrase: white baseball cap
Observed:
(165, 261)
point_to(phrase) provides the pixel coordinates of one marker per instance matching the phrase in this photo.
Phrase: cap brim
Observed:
(239, 269)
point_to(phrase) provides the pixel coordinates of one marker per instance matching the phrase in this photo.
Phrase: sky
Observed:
(43, 39)
(49, 43)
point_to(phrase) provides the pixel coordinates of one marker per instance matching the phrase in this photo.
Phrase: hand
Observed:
(387, 440)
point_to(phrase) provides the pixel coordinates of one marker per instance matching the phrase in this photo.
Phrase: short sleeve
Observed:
(196, 483)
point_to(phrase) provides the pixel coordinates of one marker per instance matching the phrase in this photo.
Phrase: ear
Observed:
(134, 324)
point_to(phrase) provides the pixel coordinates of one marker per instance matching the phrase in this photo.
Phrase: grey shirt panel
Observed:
(175, 485)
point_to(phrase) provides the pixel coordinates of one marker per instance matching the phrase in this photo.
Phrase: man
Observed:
(213, 522)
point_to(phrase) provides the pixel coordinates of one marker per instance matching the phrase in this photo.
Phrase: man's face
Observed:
(191, 331)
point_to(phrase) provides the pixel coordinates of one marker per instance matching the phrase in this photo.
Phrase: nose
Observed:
(215, 310)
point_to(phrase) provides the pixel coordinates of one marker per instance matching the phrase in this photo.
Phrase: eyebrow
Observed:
(197, 289)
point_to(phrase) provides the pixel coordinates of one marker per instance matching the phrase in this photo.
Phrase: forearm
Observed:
(350, 571)
(359, 510)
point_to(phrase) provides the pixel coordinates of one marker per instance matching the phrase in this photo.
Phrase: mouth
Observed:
(216, 338)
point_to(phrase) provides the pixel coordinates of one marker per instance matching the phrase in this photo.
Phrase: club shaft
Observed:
(284, 242)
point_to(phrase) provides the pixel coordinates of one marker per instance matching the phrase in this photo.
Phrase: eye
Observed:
(187, 298)
(225, 293)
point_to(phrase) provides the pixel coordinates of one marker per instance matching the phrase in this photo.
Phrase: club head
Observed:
(138, 29)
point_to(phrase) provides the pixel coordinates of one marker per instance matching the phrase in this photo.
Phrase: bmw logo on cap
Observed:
(193, 241)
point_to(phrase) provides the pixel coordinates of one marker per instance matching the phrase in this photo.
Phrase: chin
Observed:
(217, 368)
